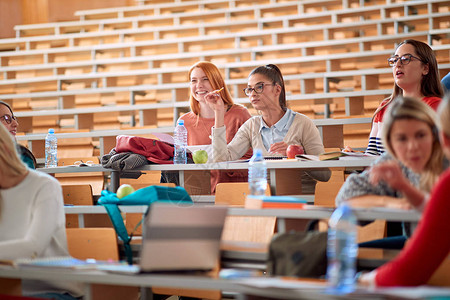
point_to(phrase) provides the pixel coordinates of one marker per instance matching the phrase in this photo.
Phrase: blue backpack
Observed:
(143, 196)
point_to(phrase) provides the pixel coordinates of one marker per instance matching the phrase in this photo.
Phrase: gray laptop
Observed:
(181, 238)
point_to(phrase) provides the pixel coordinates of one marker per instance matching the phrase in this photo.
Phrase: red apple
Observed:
(293, 150)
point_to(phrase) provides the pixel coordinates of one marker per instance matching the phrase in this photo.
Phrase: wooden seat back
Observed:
(96, 243)
(233, 193)
(95, 179)
(99, 244)
(81, 194)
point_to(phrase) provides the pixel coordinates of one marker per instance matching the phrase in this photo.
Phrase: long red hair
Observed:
(216, 80)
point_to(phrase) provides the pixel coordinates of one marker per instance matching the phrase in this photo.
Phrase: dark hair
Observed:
(7, 105)
(430, 84)
(273, 73)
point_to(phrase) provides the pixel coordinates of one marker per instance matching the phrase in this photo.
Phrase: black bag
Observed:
(298, 254)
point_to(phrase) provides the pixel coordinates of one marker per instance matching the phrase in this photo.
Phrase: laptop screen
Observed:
(180, 238)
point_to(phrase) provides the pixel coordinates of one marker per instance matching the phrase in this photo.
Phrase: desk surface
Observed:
(267, 287)
(312, 212)
(271, 164)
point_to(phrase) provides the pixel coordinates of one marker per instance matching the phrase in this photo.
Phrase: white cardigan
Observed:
(32, 224)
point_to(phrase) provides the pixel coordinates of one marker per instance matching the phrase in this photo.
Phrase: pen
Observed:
(219, 90)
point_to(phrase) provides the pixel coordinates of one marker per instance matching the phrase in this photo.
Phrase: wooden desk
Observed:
(313, 212)
(266, 287)
(274, 168)
(146, 281)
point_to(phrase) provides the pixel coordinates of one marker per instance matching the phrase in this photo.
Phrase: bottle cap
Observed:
(180, 122)
(257, 152)
(51, 130)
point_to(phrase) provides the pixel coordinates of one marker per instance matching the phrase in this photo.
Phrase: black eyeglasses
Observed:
(404, 59)
(259, 88)
(8, 118)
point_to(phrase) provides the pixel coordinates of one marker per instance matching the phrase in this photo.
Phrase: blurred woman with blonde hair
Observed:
(32, 220)
(428, 248)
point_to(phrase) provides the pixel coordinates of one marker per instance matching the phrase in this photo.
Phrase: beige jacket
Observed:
(302, 132)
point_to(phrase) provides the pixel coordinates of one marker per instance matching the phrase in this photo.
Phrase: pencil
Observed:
(219, 90)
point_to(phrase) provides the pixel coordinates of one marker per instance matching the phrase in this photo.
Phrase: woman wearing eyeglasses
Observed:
(415, 72)
(273, 130)
(8, 119)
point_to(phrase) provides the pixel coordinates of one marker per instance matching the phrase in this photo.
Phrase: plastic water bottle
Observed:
(180, 143)
(257, 174)
(51, 149)
(342, 250)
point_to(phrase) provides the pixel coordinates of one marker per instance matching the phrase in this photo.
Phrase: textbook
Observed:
(330, 155)
(258, 202)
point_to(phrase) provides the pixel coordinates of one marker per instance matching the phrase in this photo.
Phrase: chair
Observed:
(326, 192)
(95, 179)
(99, 244)
(257, 229)
(146, 179)
(81, 194)
(233, 193)
(96, 243)
(325, 195)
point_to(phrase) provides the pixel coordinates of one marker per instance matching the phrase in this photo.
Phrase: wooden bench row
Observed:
(171, 31)
(178, 7)
(332, 131)
(52, 62)
(165, 78)
(235, 14)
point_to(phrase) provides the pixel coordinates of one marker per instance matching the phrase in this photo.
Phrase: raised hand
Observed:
(389, 172)
(214, 100)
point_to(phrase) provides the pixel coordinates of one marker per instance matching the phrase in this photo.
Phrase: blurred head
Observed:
(10, 163)
(7, 118)
(266, 87)
(415, 65)
(410, 135)
(205, 77)
(444, 124)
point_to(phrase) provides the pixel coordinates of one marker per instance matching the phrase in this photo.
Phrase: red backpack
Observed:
(155, 151)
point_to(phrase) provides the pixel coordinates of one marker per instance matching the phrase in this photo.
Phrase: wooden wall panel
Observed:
(64, 10)
(10, 15)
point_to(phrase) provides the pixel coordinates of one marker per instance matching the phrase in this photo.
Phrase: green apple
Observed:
(200, 156)
(124, 190)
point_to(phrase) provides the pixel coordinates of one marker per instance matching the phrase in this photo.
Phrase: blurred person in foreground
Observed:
(32, 219)
(430, 245)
